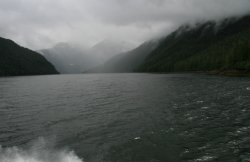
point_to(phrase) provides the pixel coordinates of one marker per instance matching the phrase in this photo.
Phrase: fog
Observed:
(40, 24)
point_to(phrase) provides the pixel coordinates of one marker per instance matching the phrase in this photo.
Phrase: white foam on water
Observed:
(248, 88)
(205, 107)
(205, 158)
(243, 110)
(38, 152)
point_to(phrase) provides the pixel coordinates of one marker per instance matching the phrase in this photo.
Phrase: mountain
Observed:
(16, 60)
(69, 59)
(128, 61)
(107, 49)
(206, 46)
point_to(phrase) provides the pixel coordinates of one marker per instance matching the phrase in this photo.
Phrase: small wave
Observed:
(204, 107)
(38, 152)
(205, 158)
(137, 138)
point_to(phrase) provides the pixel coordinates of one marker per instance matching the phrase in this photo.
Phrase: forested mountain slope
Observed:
(16, 60)
(206, 46)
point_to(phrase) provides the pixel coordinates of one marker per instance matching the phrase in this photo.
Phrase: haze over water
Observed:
(124, 117)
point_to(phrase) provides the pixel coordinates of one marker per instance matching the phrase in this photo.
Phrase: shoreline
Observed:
(229, 73)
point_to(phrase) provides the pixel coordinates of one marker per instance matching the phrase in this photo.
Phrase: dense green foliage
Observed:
(16, 60)
(205, 47)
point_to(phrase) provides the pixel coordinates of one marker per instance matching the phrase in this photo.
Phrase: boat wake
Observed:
(40, 151)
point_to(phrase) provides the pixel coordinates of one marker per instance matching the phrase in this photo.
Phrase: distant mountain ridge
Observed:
(16, 60)
(205, 47)
(69, 59)
(106, 49)
(127, 61)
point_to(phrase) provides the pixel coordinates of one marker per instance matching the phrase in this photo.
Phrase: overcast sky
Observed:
(40, 24)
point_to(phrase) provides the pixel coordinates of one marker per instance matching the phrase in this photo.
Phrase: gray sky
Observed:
(42, 23)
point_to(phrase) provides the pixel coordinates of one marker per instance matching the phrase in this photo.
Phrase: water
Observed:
(124, 118)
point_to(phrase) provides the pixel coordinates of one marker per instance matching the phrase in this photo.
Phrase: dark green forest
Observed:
(16, 60)
(206, 46)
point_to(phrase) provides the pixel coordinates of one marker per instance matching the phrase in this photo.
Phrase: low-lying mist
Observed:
(42, 24)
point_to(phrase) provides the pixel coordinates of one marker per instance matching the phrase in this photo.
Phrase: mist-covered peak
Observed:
(214, 26)
(118, 45)
(62, 45)
(108, 48)
(69, 58)
(216, 46)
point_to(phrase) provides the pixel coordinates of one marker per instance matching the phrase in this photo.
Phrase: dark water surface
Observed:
(125, 118)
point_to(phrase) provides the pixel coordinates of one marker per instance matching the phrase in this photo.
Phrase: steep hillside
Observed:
(108, 48)
(16, 60)
(126, 62)
(204, 47)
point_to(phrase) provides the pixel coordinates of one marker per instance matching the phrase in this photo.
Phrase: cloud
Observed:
(42, 23)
